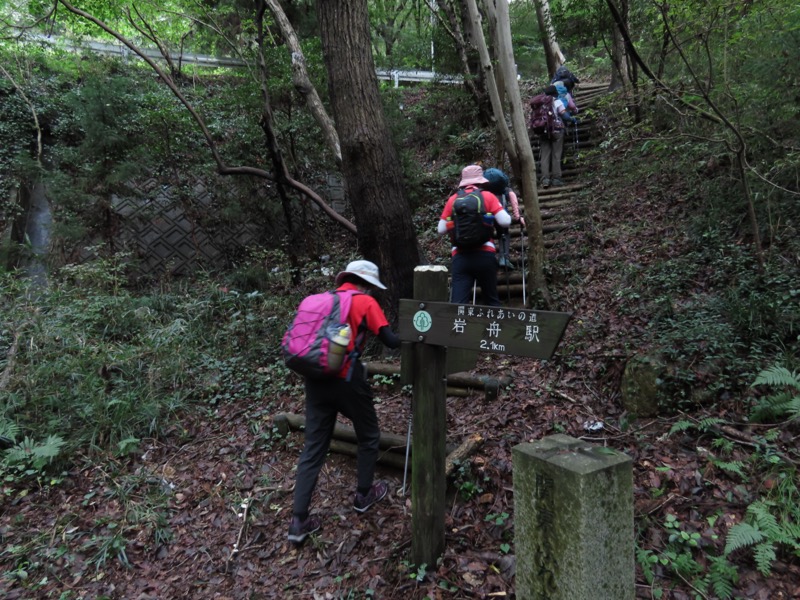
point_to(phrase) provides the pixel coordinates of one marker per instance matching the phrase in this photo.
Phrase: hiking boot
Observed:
(504, 263)
(556, 182)
(376, 493)
(300, 530)
(546, 182)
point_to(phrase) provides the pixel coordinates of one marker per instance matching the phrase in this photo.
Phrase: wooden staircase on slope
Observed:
(556, 204)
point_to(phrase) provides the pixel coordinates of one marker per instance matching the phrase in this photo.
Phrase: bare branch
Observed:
(435, 11)
(652, 76)
(212, 25)
(147, 31)
(302, 81)
(753, 170)
(33, 112)
(23, 28)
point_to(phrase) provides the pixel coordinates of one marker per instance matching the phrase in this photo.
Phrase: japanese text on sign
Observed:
(492, 329)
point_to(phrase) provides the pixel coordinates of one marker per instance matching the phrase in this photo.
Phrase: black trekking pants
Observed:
(325, 398)
(470, 267)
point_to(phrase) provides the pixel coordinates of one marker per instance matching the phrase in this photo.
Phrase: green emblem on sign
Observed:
(422, 321)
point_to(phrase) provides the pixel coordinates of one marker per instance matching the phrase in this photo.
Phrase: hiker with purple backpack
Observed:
(552, 110)
(551, 142)
(347, 391)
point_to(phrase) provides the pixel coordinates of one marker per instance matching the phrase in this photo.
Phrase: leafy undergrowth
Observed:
(203, 511)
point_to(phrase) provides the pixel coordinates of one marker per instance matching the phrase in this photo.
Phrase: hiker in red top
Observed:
(473, 258)
(347, 393)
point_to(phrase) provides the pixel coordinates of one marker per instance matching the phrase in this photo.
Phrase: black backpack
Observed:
(564, 74)
(472, 225)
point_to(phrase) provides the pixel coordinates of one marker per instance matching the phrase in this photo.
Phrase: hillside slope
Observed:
(221, 483)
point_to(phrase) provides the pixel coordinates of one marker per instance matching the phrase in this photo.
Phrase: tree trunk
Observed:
(491, 17)
(518, 146)
(474, 82)
(552, 52)
(302, 82)
(489, 78)
(620, 75)
(370, 162)
(522, 153)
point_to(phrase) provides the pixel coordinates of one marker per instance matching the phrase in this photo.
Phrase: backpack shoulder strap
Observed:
(503, 199)
(475, 191)
(345, 302)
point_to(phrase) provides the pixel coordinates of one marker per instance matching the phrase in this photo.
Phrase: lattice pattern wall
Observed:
(159, 228)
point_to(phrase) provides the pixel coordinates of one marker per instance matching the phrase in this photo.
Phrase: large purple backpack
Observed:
(307, 343)
(543, 116)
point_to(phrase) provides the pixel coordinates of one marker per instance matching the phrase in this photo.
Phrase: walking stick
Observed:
(524, 270)
(575, 142)
(408, 450)
(504, 243)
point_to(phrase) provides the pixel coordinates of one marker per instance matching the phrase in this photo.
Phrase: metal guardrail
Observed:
(205, 60)
(398, 76)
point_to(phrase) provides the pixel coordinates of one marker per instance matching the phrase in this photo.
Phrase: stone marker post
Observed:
(573, 521)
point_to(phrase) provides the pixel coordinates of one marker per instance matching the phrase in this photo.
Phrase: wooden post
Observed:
(434, 327)
(428, 478)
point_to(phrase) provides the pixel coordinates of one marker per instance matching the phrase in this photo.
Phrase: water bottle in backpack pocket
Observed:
(338, 347)
(315, 345)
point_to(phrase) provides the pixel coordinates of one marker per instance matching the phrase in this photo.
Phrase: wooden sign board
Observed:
(501, 330)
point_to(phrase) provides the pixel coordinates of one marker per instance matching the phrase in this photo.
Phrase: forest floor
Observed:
(213, 498)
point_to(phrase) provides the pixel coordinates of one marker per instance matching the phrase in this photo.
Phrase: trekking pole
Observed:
(504, 243)
(524, 269)
(408, 448)
(575, 142)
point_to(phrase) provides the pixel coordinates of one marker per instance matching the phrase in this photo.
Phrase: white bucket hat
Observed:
(365, 270)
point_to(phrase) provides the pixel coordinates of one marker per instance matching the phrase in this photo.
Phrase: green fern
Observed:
(763, 517)
(792, 531)
(776, 406)
(722, 576)
(778, 377)
(8, 429)
(742, 535)
(686, 565)
(764, 555)
(709, 422)
(736, 466)
(702, 424)
(683, 425)
(763, 531)
(646, 560)
(725, 446)
(35, 455)
(784, 403)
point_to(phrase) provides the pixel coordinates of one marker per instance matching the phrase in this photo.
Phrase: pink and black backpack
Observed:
(307, 343)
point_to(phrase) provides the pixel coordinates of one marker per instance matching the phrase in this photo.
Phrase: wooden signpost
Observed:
(500, 330)
(433, 326)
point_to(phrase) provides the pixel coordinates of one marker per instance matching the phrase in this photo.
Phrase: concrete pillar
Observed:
(573, 521)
